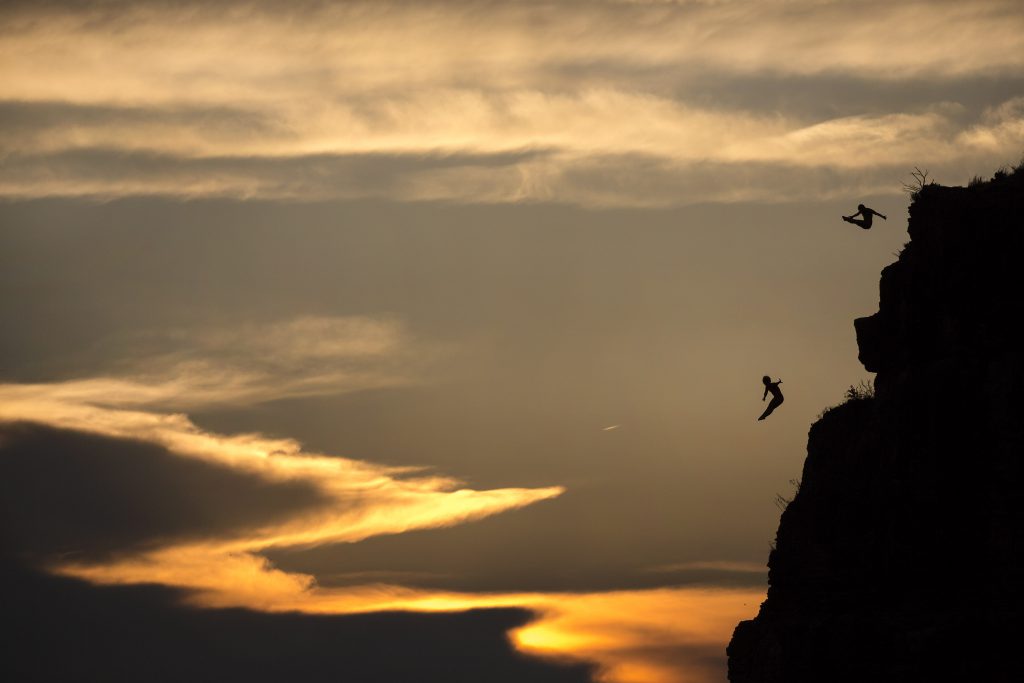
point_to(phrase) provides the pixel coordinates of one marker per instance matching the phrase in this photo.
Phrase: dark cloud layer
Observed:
(65, 630)
(82, 496)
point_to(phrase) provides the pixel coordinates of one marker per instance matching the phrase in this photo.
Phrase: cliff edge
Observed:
(900, 558)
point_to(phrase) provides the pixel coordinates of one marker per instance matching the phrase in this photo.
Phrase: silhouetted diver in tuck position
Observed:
(867, 214)
(777, 399)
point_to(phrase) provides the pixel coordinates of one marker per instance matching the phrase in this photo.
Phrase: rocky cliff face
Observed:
(900, 558)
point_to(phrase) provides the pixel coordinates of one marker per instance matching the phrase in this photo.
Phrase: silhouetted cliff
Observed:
(900, 557)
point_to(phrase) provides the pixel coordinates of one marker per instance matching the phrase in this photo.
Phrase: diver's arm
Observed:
(765, 392)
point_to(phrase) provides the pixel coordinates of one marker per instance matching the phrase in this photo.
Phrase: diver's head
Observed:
(766, 379)
(861, 207)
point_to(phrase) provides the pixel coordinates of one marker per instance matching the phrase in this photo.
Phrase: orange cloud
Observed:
(366, 499)
(665, 635)
(371, 499)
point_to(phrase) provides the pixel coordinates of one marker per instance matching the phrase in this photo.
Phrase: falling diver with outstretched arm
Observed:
(777, 399)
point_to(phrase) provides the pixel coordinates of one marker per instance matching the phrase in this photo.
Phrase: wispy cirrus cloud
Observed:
(246, 364)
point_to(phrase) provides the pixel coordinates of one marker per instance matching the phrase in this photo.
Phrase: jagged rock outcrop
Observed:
(900, 557)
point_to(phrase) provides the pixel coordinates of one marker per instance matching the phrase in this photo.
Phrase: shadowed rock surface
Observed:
(899, 559)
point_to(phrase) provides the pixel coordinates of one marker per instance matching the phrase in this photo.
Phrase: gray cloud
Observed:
(71, 496)
(253, 363)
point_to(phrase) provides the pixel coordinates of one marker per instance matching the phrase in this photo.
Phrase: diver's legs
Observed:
(772, 405)
(863, 223)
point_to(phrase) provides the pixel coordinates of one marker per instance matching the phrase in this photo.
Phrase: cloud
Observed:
(245, 364)
(648, 636)
(249, 496)
(864, 163)
(233, 51)
(353, 500)
(80, 496)
(147, 632)
(370, 499)
(110, 173)
(654, 636)
(498, 102)
(492, 556)
(302, 356)
(1000, 128)
(50, 126)
(132, 633)
(714, 565)
(131, 470)
(104, 454)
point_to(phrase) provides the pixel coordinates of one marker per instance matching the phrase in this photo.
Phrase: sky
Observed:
(424, 340)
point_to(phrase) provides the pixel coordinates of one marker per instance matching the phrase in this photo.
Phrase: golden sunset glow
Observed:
(386, 500)
(633, 636)
(423, 341)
